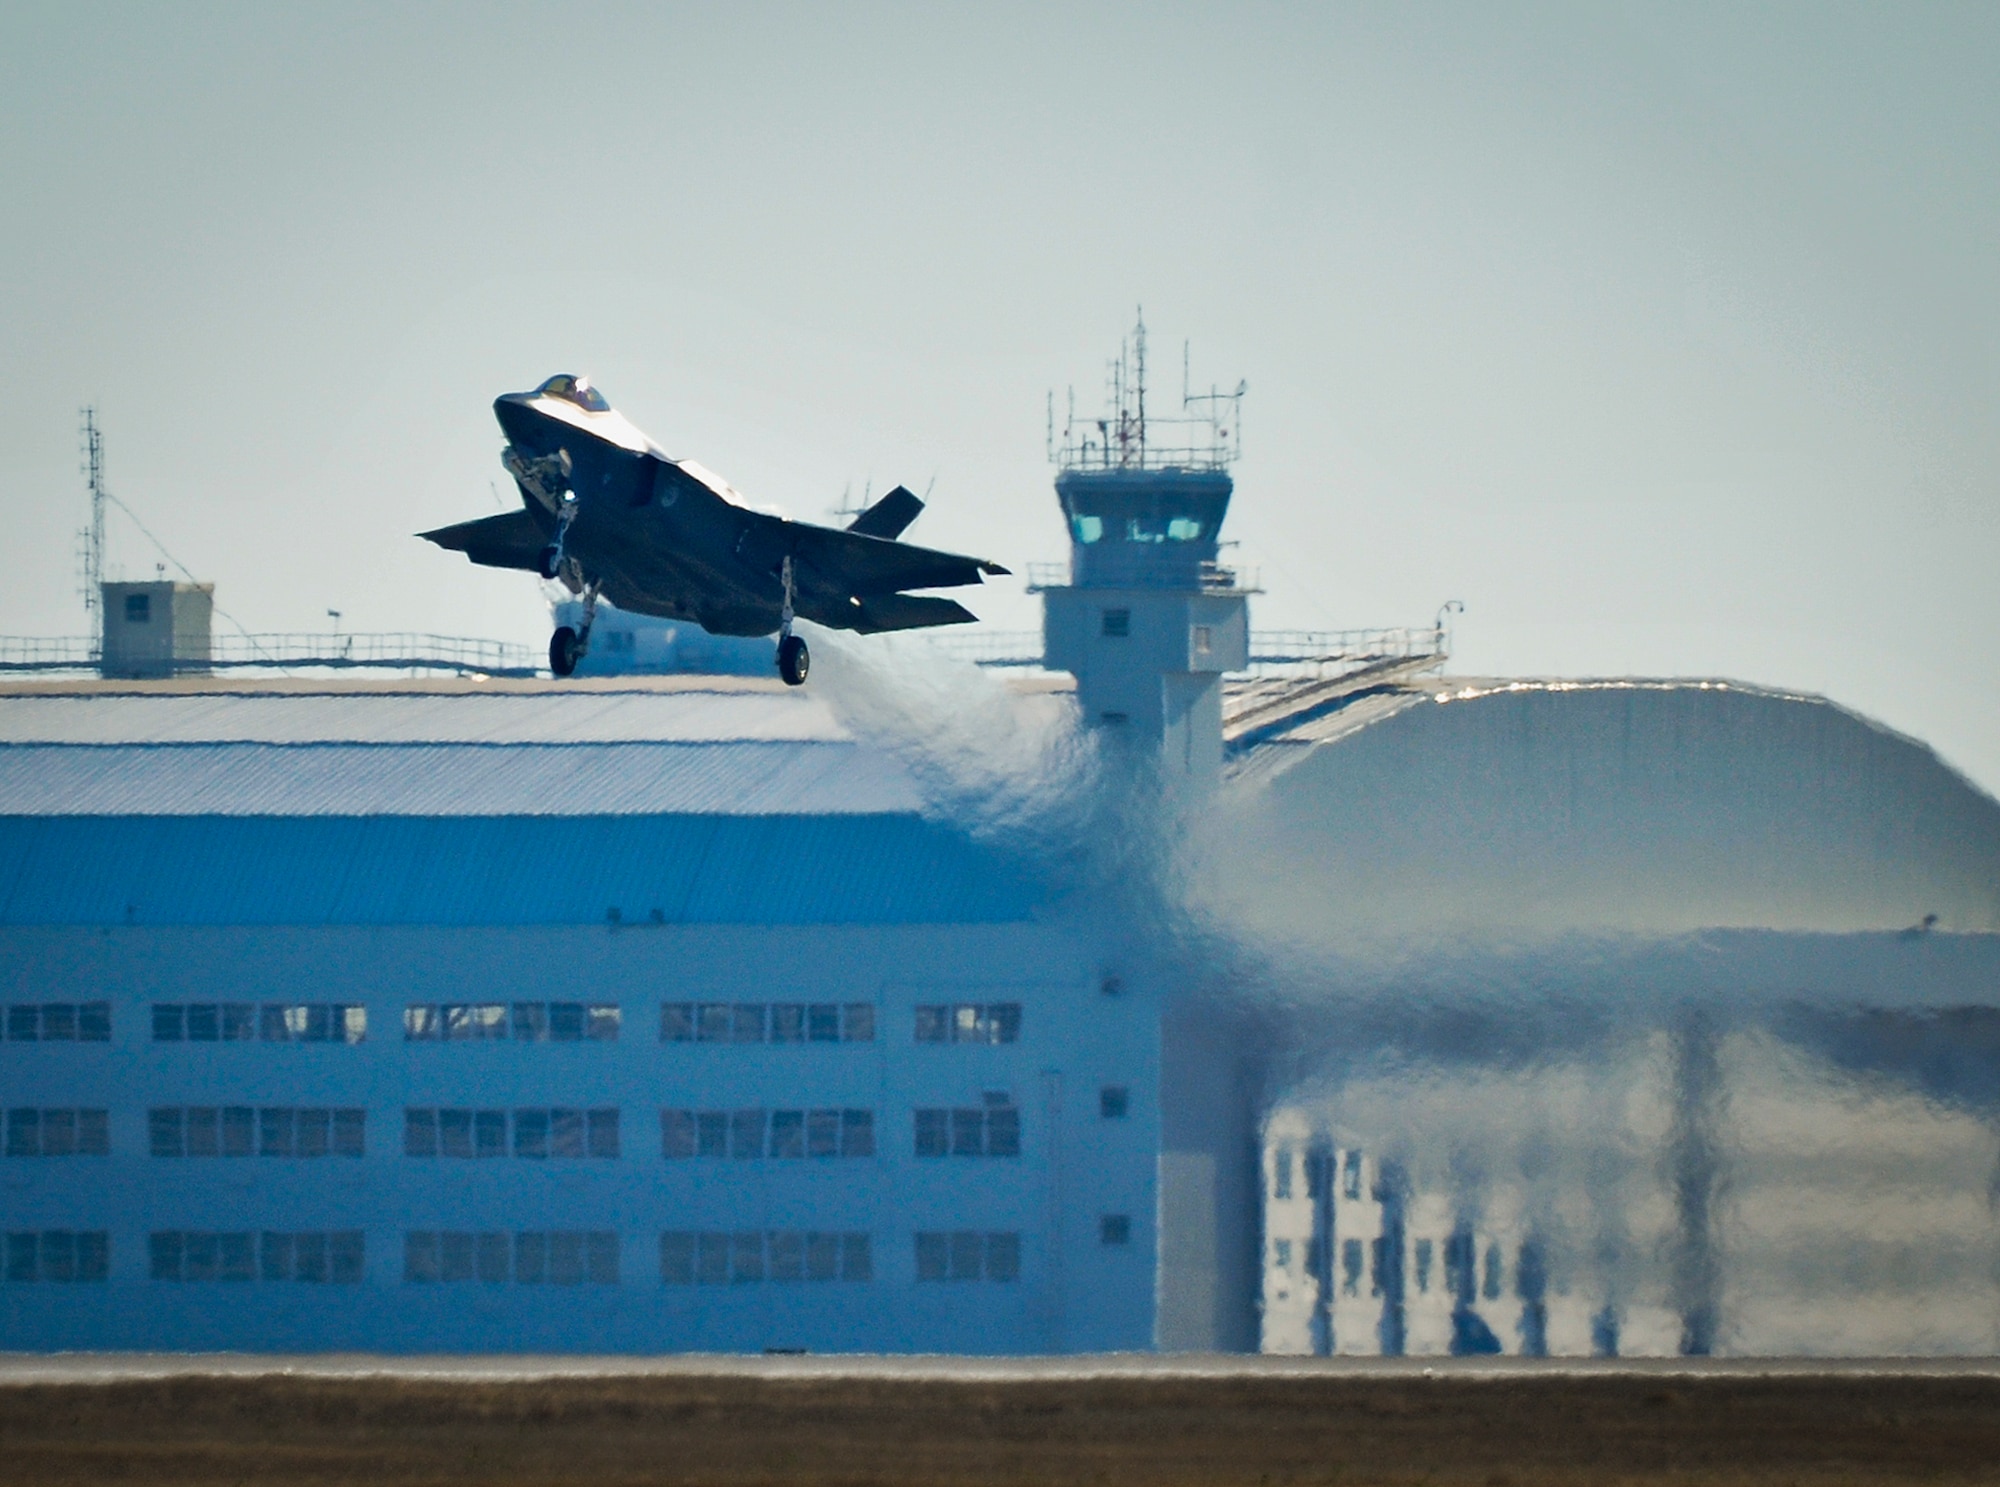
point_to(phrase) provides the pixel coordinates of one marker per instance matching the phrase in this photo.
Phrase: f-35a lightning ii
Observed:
(607, 512)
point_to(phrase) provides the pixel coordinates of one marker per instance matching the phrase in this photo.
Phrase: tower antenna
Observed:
(92, 536)
(1139, 377)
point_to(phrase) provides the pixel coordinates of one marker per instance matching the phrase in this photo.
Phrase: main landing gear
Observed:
(794, 660)
(568, 646)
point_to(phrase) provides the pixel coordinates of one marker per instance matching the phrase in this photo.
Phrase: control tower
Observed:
(1149, 618)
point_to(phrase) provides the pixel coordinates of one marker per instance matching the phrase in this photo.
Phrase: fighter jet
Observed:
(608, 513)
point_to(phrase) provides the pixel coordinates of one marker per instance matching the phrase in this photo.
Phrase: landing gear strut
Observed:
(794, 660)
(568, 646)
(551, 561)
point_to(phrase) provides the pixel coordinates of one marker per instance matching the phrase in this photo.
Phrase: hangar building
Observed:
(620, 1017)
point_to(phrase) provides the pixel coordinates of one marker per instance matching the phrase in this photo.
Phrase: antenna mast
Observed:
(1139, 369)
(92, 537)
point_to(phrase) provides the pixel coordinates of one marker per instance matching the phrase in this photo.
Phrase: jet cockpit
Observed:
(575, 390)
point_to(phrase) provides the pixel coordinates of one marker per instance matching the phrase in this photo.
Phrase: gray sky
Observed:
(1666, 337)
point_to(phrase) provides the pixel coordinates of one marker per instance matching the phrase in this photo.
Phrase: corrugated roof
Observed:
(421, 715)
(515, 779)
(712, 869)
(730, 749)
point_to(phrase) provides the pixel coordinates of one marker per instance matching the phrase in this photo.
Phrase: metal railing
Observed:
(381, 651)
(997, 648)
(1272, 652)
(1146, 571)
(47, 653)
(1326, 655)
(399, 651)
(1310, 653)
(1294, 647)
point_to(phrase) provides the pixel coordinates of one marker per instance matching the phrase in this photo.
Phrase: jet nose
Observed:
(519, 421)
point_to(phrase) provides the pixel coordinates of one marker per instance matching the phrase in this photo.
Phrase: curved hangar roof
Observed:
(723, 801)
(1613, 807)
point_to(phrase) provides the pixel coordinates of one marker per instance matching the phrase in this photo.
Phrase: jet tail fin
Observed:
(910, 612)
(888, 517)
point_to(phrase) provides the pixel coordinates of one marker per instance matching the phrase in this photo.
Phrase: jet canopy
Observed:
(574, 390)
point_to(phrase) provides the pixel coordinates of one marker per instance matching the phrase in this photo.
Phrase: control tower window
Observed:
(1087, 529)
(1183, 529)
(1144, 529)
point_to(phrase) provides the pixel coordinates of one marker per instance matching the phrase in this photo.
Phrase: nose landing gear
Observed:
(569, 646)
(551, 560)
(794, 660)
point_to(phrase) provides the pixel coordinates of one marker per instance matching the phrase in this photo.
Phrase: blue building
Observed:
(639, 1016)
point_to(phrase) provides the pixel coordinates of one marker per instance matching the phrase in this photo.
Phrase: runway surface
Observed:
(205, 1421)
(84, 1368)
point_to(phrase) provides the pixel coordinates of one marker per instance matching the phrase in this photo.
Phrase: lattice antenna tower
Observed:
(90, 541)
(1204, 434)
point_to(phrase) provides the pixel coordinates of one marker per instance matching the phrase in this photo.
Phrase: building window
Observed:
(1114, 1228)
(767, 1022)
(967, 1254)
(747, 1135)
(743, 1133)
(560, 1257)
(752, 1256)
(1424, 1253)
(1117, 624)
(530, 1022)
(204, 1022)
(1281, 1254)
(274, 1022)
(312, 1022)
(1281, 1173)
(58, 1255)
(976, 1131)
(138, 609)
(1350, 1186)
(1204, 640)
(1113, 1102)
(561, 1133)
(1350, 1267)
(58, 1022)
(336, 1257)
(58, 1133)
(1114, 720)
(1494, 1266)
(969, 1022)
(241, 1131)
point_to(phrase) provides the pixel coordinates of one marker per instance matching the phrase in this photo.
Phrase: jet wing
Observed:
(863, 566)
(509, 541)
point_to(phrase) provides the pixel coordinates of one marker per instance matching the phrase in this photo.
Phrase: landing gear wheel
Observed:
(550, 563)
(794, 660)
(563, 652)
